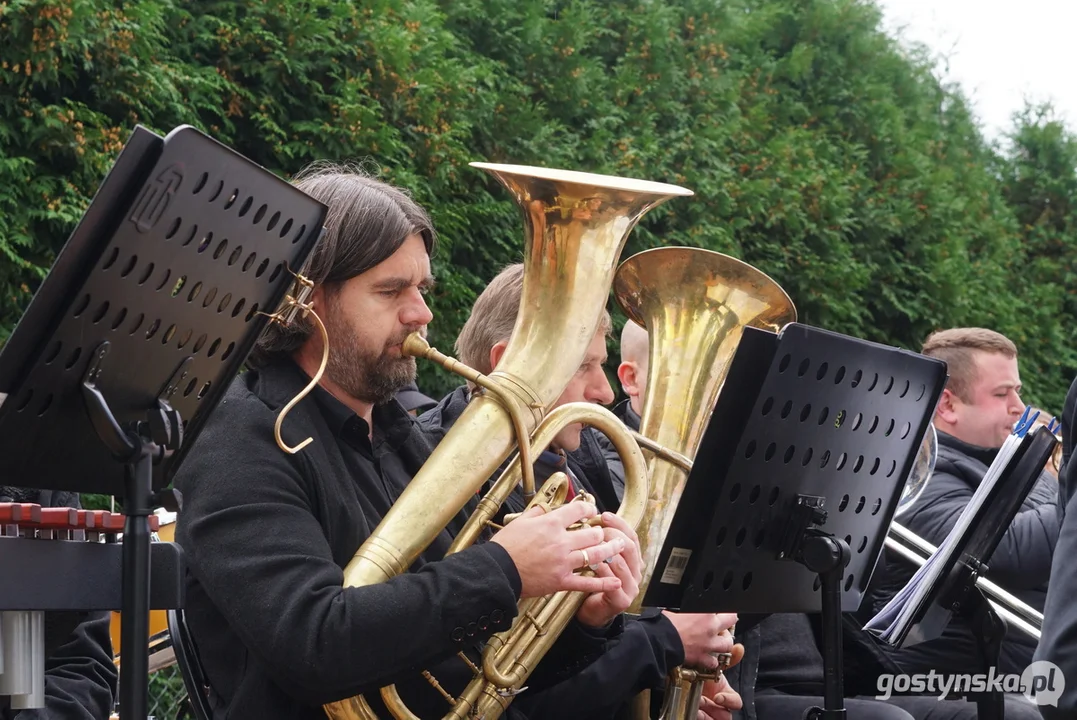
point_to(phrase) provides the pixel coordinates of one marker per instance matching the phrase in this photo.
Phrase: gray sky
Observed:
(1000, 51)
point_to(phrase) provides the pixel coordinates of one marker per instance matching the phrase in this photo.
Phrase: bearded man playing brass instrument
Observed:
(652, 644)
(267, 533)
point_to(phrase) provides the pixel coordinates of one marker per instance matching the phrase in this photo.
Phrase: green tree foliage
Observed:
(1039, 182)
(819, 149)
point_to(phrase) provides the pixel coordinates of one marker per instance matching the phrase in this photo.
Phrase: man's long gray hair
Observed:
(368, 220)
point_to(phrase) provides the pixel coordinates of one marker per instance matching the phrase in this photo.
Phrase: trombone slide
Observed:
(1018, 614)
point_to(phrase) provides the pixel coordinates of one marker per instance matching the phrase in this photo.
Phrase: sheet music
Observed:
(897, 614)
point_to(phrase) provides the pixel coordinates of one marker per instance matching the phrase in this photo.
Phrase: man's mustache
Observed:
(398, 340)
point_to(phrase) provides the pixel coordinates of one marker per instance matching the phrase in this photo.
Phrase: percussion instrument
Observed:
(65, 559)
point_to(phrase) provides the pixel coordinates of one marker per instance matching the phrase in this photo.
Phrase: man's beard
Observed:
(368, 376)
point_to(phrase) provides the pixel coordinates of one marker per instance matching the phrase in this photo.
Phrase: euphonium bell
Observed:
(694, 305)
(575, 227)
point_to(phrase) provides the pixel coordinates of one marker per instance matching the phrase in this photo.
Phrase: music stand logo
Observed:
(155, 198)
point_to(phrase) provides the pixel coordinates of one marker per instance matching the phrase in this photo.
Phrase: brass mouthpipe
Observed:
(417, 346)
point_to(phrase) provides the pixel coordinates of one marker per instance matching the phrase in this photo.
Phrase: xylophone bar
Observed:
(61, 522)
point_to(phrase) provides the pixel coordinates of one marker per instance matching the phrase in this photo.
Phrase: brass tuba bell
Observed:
(694, 305)
(575, 227)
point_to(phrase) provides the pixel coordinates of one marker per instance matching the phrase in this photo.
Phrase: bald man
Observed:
(632, 372)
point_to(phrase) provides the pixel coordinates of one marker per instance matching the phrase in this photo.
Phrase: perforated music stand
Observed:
(796, 480)
(130, 342)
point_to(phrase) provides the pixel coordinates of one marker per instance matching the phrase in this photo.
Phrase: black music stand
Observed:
(796, 480)
(132, 338)
(950, 586)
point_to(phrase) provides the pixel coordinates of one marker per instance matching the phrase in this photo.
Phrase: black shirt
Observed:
(1059, 641)
(267, 534)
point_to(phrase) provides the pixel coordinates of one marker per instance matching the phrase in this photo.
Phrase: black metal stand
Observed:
(807, 543)
(790, 498)
(828, 557)
(138, 448)
(134, 618)
(948, 586)
(990, 630)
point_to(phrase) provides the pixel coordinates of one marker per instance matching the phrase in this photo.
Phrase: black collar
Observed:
(282, 381)
(628, 416)
(984, 455)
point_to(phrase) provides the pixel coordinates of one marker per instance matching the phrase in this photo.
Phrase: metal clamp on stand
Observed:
(805, 542)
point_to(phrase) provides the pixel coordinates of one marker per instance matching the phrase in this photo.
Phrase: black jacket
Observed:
(80, 676)
(1022, 562)
(267, 534)
(648, 648)
(1058, 643)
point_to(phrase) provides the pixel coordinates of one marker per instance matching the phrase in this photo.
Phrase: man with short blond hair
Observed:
(632, 372)
(651, 645)
(982, 399)
(975, 414)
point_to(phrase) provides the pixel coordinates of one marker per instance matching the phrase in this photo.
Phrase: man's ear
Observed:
(317, 300)
(946, 410)
(496, 352)
(627, 373)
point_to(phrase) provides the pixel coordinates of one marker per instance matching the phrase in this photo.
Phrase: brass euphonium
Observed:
(694, 305)
(575, 227)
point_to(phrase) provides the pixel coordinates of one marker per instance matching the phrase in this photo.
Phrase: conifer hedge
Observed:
(819, 149)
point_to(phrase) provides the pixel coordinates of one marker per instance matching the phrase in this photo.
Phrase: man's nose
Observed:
(599, 390)
(416, 311)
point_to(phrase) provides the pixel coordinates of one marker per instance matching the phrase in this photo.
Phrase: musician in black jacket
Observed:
(267, 533)
(80, 676)
(975, 415)
(781, 675)
(655, 642)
